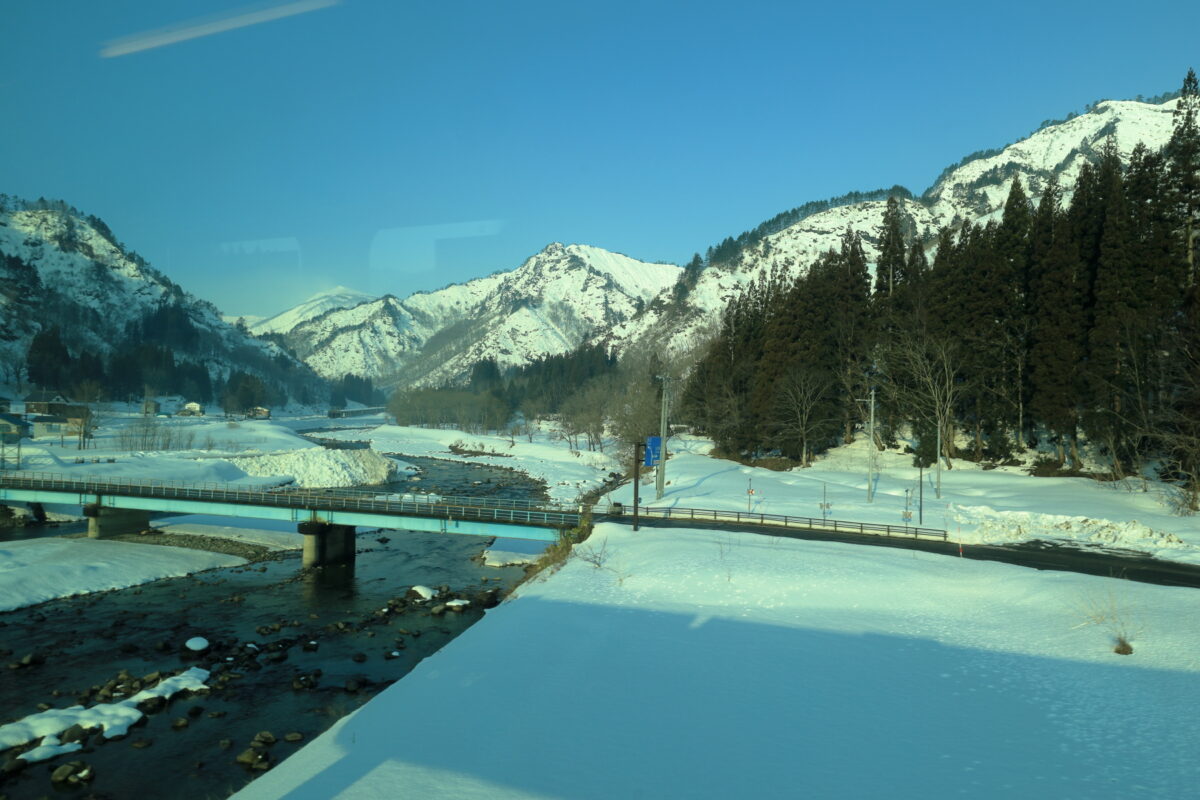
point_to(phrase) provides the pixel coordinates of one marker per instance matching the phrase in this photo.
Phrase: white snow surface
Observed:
(512, 552)
(318, 467)
(699, 663)
(114, 718)
(243, 453)
(36, 570)
(315, 306)
(978, 506)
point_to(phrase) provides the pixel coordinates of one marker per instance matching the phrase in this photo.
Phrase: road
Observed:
(1107, 563)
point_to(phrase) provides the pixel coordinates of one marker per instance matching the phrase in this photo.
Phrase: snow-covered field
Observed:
(36, 570)
(693, 663)
(697, 663)
(206, 450)
(977, 506)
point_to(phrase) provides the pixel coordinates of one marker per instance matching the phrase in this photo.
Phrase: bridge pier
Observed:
(326, 544)
(104, 521)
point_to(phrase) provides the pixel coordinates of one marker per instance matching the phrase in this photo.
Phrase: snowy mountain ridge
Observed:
(973, 192)
(315, 306)
(550, 304)
(62, 269)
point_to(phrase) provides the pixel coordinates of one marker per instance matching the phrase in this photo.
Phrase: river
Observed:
(291, 650)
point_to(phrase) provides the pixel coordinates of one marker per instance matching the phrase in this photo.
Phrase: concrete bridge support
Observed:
(104, 521)
(326, 544)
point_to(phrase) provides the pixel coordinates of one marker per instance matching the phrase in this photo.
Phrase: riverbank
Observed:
(192, 541)
(289, 650)
(695, 663)
(37, 570)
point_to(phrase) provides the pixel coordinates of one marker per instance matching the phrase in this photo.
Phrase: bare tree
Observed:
(926, 379)
(89, 393)
(801, 403)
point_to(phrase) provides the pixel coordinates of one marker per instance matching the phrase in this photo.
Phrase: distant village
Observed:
(47, 415)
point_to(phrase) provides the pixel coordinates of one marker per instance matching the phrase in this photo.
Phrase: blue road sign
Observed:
(653, 451)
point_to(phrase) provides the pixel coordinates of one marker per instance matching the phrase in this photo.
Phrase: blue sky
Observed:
(399, 146)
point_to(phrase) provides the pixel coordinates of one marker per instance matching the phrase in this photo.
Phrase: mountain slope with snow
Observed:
(550, 304)
(974, 191)
(62, 269)
(320, 303)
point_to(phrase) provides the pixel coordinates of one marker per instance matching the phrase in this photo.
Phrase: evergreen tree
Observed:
(48, 364)
(1183, 155)
(890, 268)
(1058, 330)
(1013, 322)
(1113, 338)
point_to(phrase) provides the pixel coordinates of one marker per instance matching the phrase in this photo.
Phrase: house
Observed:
(48, 425)
(258, 412)
(13, 428)
(45, 402)
(5, 404)
(192, 409)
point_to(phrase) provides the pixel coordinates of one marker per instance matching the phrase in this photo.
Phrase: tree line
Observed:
(1060, 321)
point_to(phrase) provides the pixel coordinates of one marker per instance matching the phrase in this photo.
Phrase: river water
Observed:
(291, 650)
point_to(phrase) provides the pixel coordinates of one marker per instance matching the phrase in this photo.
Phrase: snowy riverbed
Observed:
(36, 570)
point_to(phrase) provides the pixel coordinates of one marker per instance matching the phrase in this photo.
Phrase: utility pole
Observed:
(870, 449)
(637, 479)
(660, 479)
(871, 471)
(938, 488)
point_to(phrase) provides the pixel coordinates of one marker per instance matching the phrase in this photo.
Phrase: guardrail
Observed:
(308, 500)
(784, 520)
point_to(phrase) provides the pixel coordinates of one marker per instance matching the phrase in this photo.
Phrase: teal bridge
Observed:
(326, 519)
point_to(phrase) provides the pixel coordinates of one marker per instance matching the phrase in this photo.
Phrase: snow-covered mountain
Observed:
(65, 269)
(974, 191)
(315, 306)
(550, 304)
(62, 269)
(370, 340)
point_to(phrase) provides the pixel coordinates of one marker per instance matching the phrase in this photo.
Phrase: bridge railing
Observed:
(370, 502)
(478, 508)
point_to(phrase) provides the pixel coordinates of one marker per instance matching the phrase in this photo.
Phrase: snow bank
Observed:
(696, 663)
(987, 525)
(36, 570)
(271, 534)
(513, 552)
(114, 718)
(318, 467)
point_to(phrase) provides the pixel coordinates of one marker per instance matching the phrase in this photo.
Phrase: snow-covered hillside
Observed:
(315, 306)
(369, 339)
(61, 268)
(972, 192)
(557, 299)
